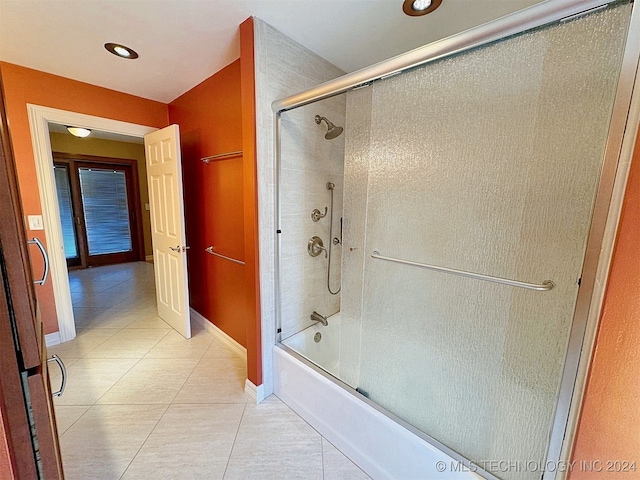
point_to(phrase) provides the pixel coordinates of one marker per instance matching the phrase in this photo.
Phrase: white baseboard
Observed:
(51, 339)
(219, 334)
(149, 258)
(256, 393)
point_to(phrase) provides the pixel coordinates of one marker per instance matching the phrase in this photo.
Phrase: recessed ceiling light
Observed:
(421, 5)
(79, 132)
(121, 50)
(415, 8)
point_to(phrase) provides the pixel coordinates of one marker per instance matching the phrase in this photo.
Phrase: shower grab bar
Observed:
(210, 250)
(543, 287)
(221, 156)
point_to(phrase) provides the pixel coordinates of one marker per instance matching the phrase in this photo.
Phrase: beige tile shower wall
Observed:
(282, 68)
(309, 161)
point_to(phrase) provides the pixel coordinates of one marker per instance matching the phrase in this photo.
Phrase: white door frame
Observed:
(39, 119)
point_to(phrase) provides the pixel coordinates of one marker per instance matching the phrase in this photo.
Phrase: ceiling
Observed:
(57, 128)
(183, 42)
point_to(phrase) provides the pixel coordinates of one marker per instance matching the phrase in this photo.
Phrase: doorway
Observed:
(99, 201)
(40, 119)
(100, 187)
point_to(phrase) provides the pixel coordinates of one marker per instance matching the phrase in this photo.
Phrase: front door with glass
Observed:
(98, 210)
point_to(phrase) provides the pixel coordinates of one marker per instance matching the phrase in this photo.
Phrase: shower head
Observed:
(333, 131)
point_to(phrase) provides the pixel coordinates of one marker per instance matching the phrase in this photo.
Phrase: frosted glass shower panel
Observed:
(485, 162)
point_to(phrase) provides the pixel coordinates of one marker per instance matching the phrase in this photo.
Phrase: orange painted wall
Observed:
(609, 427)
(251, 246)
(210, 120)
(24, 85)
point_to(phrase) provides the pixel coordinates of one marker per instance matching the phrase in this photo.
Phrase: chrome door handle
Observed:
(35, 241)
(184, 249)
(63, 384)
(175, 249)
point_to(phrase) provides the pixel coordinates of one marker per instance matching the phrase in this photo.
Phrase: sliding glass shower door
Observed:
(468, 192)
(487, 163)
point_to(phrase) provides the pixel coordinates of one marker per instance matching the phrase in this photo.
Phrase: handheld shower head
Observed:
(333, 131)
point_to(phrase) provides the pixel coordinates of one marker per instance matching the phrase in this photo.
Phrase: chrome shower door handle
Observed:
(63, 370)
(38, 243)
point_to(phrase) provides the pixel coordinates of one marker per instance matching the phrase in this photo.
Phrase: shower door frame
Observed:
(606, 212)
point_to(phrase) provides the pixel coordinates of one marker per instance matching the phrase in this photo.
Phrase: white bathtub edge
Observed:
(377, 444)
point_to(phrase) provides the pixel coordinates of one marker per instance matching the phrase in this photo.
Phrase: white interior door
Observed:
(164, 174)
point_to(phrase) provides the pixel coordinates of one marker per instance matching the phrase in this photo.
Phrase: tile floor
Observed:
(144, 403)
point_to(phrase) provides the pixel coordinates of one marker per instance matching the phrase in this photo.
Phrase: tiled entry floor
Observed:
(144, 403)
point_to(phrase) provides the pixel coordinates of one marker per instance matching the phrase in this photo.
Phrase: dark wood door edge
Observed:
(12, 402)
(14, 242)
(20, 349)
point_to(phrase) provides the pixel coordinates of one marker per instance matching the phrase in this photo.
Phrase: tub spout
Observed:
(316, 317)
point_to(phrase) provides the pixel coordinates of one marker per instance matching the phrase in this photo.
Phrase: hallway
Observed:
(144, 403)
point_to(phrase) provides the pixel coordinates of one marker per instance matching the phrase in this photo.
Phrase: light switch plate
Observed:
(147, 206)
(35, 222)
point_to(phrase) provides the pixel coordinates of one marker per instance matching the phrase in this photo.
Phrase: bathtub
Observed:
(384, 447)
(323, 350)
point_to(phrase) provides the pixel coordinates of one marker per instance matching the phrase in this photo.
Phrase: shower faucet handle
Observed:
(316, 215)
(316, 246)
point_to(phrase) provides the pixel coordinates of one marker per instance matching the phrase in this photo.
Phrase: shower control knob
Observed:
(316, 215)
(315, 247)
